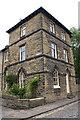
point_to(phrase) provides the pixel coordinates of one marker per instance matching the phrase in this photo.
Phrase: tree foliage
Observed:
(76, 50)
(15, 90)
(32, 87)
(11, 79)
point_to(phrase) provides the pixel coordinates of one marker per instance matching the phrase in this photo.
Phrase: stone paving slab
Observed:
(27, 113)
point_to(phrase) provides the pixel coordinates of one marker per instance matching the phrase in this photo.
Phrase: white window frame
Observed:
(5, 56)
(21, 80)
(22, 53)
(52, 28)
(57, 78)
(54, 50)
(65, 55)
(23, 31)
(63, 36)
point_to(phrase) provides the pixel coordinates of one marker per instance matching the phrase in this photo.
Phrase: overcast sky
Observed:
(11, 11)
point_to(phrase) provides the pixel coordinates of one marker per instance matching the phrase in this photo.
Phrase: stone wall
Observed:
(15, 103)
(48, 39)
(31, 25)
(30, 66)
(57, 93)
(46, 25)
(33, 45)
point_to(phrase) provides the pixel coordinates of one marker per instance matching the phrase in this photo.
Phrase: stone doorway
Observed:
(67, 83)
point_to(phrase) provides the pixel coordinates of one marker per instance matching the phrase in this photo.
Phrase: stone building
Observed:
(40, 44)
(0, 69)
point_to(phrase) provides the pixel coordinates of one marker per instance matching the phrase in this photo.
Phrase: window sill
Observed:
(54, 57)
(52, 33)
(22, 60)
(56, 87)
(66, 61)
(21, 37)
(6, 61)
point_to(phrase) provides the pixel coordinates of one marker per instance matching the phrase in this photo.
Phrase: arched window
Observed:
(21, 80)
(56, 79)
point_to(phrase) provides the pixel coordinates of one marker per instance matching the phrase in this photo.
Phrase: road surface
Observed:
(68, 111)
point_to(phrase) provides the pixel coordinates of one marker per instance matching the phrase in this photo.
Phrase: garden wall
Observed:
(16, 103)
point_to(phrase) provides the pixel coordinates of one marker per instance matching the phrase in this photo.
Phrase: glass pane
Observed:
(23, 48)
(23, 31)
(55, 77)
(66, 55)
(53, 53)
(54, 50)
(21, 80)
(23, 55)
(53, 46)
(63, 35)
(51, 28)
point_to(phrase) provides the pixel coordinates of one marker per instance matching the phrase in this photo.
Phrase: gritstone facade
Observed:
(40, 45)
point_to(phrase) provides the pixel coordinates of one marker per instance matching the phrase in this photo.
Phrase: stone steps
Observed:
(70, 95)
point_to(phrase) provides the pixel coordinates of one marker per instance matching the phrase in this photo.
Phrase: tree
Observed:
(76, 50)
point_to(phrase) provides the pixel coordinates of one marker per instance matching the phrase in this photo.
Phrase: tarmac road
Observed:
(68, 111)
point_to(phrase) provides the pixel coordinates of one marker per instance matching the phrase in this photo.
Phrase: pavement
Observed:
(28, 113)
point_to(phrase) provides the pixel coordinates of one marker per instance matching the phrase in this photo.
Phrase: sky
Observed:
(11, 11)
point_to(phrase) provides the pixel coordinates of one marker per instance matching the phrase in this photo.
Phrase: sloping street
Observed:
(66, 108)
(68, 111)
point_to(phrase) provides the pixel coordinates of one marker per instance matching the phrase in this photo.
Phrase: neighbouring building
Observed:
(40, 44)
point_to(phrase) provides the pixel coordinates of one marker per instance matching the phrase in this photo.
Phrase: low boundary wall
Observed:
(16, 103)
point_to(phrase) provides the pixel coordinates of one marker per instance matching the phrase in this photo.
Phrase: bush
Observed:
(21, 93)
(11, 79)
(29, 91)
(33, 84)
(15, 90)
